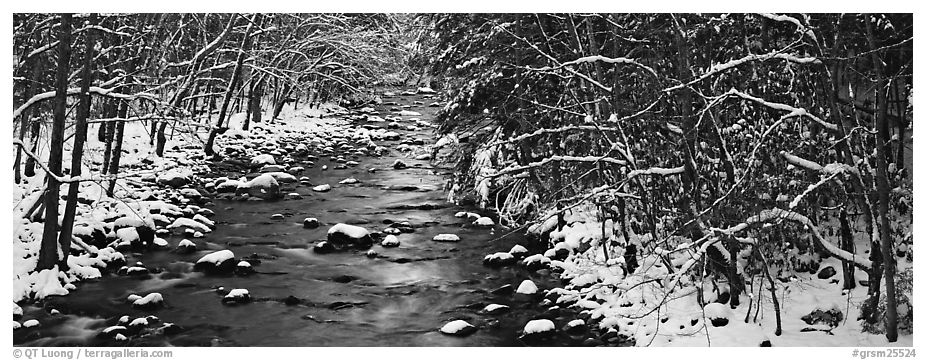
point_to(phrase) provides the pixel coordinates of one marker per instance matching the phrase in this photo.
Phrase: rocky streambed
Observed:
(321, 238)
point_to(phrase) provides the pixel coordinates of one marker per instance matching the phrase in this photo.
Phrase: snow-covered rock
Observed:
(186, 246)
(426, 90)
(495, 309)
(399, 164)
(458, 328)
(446, 237)
(222, 261)
(31, 323)
(536, 262)
(518, 251)
(264, 186)
(719, 314)
(484, 221)
(349, 181)
(344, 235)
(499, 259)
(537, 331)
(175, 178)
(310, 223)
(322, 188)
(237, 296)
(390, 241)
(527, 287)
(262, 159)
(186, 223)
(409, 113)
(243, 268)
(148, 302)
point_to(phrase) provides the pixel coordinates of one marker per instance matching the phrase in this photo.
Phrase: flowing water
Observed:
(400, 298)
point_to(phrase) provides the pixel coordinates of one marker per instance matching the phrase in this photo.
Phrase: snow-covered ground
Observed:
(640, 307)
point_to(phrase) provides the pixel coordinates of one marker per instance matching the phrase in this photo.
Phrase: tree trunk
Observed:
(883, 183)
(848, 244)
(49, 253)
(117, 147)
(80, 136)
(233, 84)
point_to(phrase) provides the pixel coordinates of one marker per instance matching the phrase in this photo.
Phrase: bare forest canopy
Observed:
(732, 131)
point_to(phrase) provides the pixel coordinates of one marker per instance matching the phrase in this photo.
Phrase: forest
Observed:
(660, 179)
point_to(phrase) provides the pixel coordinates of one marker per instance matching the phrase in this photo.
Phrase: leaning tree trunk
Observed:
(49, 254)
(80, 136)
(284, 95)
(232, 86)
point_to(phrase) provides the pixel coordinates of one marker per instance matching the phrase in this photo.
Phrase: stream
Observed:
(399, 298)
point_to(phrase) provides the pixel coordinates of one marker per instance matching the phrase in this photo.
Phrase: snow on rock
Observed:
(539, 326)
(186, 246)
(390, 241)
(409, 113)
(322, 188)
(537, 331)
(310, 223)
(222, 261)
(536, 262)
(17, 311)
(399, 164)
(282, 177)
(349, 181)
(204, 220)
(518, 251)
(585, 280)
(717, 313)
(499, 259)
(426, 90)
(237, 296)
(175, 178)
(262, 159)
(16, 325)
(446, 237)
(495, 309)
(271, 168)
(527, 287)
(244, 268)
(30, 323)
(458, 328)
(264, 186)
(148, 302)
(484, 221)
(182, 224)
(344, 235)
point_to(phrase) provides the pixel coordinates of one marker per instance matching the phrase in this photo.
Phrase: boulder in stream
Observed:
(458, 328)
(219, 262)
(344, 235)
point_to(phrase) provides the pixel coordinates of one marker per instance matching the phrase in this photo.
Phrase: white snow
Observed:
(322, 188)
(352, 231)
(189, 224)
(518, 249)
(455, 326)
(446, 237)
(484, 221)
(539, 326)
(263, 159)
(527, 287)
(237, 293)
(152, 298)
(217, 257)
(390, 240)
(349, 181)
(493, 307)
(409, 113)
(30, 323)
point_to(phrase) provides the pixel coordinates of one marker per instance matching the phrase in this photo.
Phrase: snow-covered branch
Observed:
(555, 158)
(780, 214)
(792, 111)
(110, 92)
